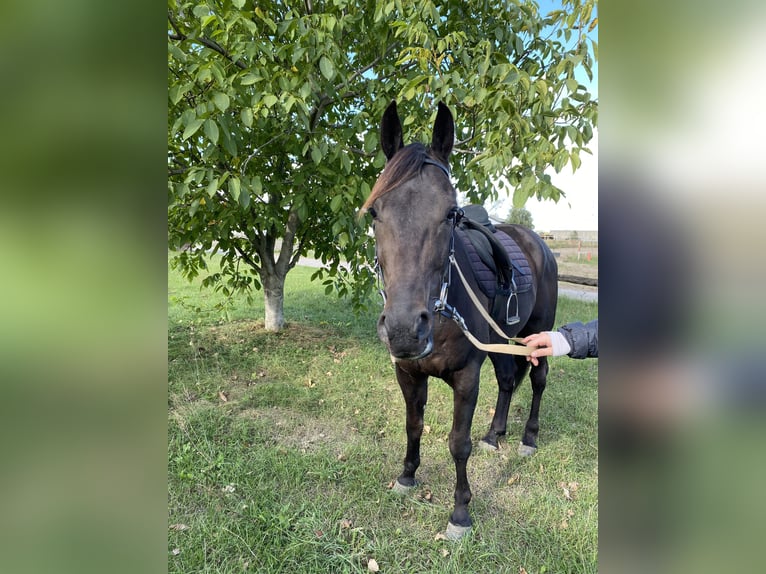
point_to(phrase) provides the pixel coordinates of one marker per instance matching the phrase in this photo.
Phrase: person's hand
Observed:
(542, 344)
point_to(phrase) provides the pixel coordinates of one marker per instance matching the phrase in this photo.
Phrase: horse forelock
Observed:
(405, 165)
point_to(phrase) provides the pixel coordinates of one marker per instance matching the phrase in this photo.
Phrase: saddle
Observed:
(498, 263)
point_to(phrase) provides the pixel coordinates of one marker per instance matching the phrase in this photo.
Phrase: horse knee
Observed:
(459, 446)
(539, 375)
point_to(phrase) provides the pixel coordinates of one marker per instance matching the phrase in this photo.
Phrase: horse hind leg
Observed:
(538, 376)
(509, 372)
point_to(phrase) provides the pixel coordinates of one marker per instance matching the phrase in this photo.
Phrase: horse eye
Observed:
(373, 213)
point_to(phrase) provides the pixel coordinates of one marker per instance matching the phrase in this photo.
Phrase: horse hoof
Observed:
(455, 532)
(400, 488)
(484, 445)
(526, 450)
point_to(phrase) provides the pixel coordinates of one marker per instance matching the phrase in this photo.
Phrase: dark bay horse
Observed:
(415, 214)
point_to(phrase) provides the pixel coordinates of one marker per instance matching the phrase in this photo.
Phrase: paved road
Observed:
(573, 292)
(568, 290)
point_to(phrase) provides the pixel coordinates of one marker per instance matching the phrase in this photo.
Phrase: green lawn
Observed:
(282, 448)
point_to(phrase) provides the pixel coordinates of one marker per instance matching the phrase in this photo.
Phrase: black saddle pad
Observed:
(485, 269)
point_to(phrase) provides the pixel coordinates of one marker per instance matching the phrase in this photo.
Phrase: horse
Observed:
(415, 216)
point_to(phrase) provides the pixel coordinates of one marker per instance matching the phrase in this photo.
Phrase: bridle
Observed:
(456, 214)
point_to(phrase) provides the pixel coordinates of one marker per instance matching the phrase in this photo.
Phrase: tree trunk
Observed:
(274, 298)
(274, 269)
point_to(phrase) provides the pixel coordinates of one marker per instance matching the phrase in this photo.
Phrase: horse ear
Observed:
(391, 131)
(444, 132)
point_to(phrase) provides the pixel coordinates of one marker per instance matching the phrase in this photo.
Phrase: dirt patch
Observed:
(296, 431)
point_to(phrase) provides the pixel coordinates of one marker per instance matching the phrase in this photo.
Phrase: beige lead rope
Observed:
(506, 349)
(499, 347)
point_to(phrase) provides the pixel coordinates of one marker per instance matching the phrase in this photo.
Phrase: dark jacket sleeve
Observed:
(583, 339)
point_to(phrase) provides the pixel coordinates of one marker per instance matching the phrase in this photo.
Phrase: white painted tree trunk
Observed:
(274, 299)
(274, 271)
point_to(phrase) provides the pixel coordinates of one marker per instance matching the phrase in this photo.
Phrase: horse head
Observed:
(414, 210)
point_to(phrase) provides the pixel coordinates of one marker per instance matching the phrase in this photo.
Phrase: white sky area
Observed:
(717, 145)
(578, 210)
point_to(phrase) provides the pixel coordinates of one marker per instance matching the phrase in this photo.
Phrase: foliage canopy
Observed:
(274, 108)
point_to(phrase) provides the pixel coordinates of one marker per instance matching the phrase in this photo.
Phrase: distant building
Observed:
(586, 236)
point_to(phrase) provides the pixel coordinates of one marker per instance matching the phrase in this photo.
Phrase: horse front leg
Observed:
(538, 375)
(465, 392)
(415, 391)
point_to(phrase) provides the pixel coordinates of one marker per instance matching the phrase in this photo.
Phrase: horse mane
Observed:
(405, 165)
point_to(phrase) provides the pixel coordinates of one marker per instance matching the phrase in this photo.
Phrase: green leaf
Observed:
(327, 67)
(238, 3)
(247, 117)
(269, 100)
(208, 20)
(336, 202)
(221, 101)
(345, 163)
(244, 198)
(560, 160)
(212, 187)
(175, 93)
(523, 191)
(248, 79)
(193, 126)
(211, 130)
(234, 188)
(575, 160)
(316, 155)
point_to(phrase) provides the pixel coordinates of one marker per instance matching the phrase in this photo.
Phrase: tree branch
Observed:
(466, 151)
(215, 46)
(247, 259)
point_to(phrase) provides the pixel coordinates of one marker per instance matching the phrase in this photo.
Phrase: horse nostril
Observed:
(423, 324)
(382, 330)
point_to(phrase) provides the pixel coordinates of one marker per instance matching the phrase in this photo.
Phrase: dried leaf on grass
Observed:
(372, 565)
(569, 489)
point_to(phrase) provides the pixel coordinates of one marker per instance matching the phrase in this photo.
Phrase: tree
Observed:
(520, 216)
(273, 114)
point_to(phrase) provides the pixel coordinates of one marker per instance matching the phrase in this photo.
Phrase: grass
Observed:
(282, 446)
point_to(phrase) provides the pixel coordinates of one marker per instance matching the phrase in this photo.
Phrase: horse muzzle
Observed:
(408, 336)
